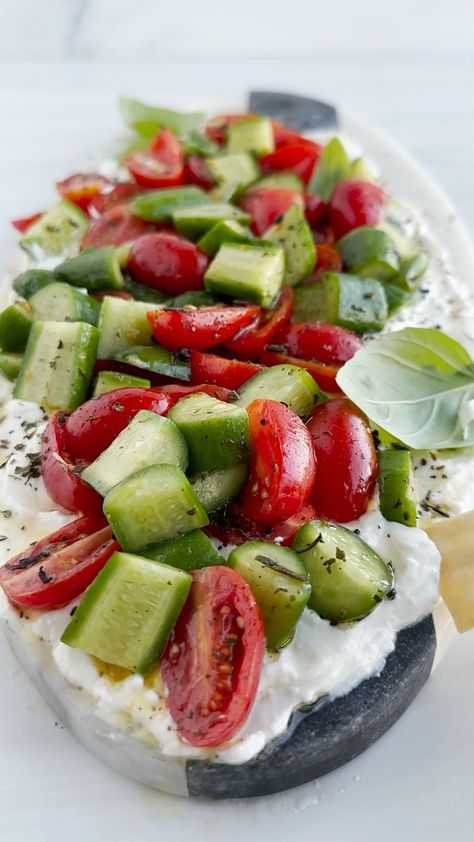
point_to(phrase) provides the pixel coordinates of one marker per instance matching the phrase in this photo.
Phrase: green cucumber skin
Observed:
(159, 205)
(315, 303)
(369, 252)
(122, 325)
(247, 272)
(156, 359)
(295, 237)
(103, 620)
(153, 505)
(348, 578)
(31, 281)
(396, 483)
(253, 134)
(194, 222)
(188, 552)
(287, 180)
(288, 384)
(412, 269)
(216, 488)
(142, 293)
(108, 381)
(61, 302)
(358, 304)
(58, 230)
(233, 173)
(10, 365)
(94, 269)
(15, 326)
(224, 232)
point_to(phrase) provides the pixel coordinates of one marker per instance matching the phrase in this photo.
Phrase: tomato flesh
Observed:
(234, 527)
(118, 195)
(355, 202)
(168, 263)
(61, 471)
(300, 158)
(26, 222)
(211, 666)
(209, 368)
(199, 329)
(324, 375)
(197, 172)
(267, 204)
(115, 227)
(81, 188)
(249, 342)
(162, 165)
(175, 391)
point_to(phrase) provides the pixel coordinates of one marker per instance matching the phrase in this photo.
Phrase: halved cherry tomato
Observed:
(355, 202)
(282, 466)
(162, 165)
(62, 472)
(250, 341)
(329, 344)
(324, 375)
(114, 227)
(211, 666)
(328, 260)
(216, 129)
(119, 195)
(347, 460)
(81, 188)
(26, 222)
(315, 210)
(300, 158)
(174, 391)
(287, 137)
(59, 568)
(197, 172)
(267, 204)
(234, 527)
(209, 368)
(199, 328)
(168, 263)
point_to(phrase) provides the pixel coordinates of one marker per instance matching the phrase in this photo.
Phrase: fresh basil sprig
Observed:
(333, 165)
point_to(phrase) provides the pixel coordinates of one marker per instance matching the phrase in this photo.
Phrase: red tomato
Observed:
(282, 466)
(197, 172)
(174, 391)
(347, 460)
(209, 368)
(95, 424)
(62, 472)
(355, 202)
(324, 375)
(115, 227)
(234, 527)
(327, 344)
(315, 210)
(119, 195)
(328, 260)
(216, 129)
(26, 222)
(267, 204)
(299, 158)
(81, 188)
(162, 165)
(168, 263)
(251, 340)
(60, 567)
(211, 666)
(288, 137)
(199, 328)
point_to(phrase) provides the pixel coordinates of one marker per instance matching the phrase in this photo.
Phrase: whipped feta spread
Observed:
(322, 660)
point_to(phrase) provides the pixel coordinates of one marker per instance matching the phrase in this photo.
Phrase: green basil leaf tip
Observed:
(333, 165)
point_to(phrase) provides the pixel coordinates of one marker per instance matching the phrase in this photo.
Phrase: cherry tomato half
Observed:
(174, 391)
(197, 172)
(119, 195)
(168, 263)
(287, 137)
(162, 165)
(267, 204)
(115, 227)
(250, 341)
(355, 202)
(209, 368)
(62, 472)
(300, 158)
(199, 329)
(328, 259)
(26, 222)
(347, 460)
(234, 527)
(329, 344)
(315, 210)
(324, 375)
(211, 666)
(81, 188)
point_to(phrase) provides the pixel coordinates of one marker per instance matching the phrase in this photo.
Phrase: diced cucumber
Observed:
(153, 505)
(58, 365)
(348, 578)
(253, 134)
(188, 552)
(94, 269)
(280, 584)
(397, 486)
(107, 381)
(122, 325)
(31, 281)
(156, 359)
(193, 222)
(62, 303)
(159, 205)
(197, 143)
(224, 232)
(217, 433)
(288, 384)
(193, 298)
(315, 303)
(10, 364)
(396, 297)
(286, 179)
(250, 273)
(149, 439)
(59, 230)
(126, 615)
(358, 304)
(412, 269)
(15, 326)
(233, 172)
(295, 237)
(142, 293)
(369, 252)
(217, 488)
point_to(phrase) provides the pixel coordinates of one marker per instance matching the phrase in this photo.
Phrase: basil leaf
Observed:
(416, 383)
(196, 143)
(333, 165)
(146, 119)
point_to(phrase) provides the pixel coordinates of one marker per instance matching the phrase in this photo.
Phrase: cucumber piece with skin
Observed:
(249, 273)
(10, 364)
(288, 384)
(358, 304)
(252, 134)
(31, 281)
(188, 552)
(397, 486)
(217, 433)
(156, 359)
(287, 180)
(280, 584)
(369, 252)
(233, 173)
(58, 365)
(107, 381)
(122, 325)
(159, 205)
(348, 578)
(396, 297)
(94, 269)
(412, 269)
(149, 439)
(143, 293)
(153, 505)
(193, 222)
(59, 230)
(62, 303)
(226, 231)
(216, 488)
(295, 237)
(126, 615)
(15, 326)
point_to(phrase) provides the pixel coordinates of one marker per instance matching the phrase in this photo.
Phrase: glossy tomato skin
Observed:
(324, 375)
(121, 194)
(249, 342)
(287, 137)
(197, 172)
(300, 158)
(347, 460)
(199, 329)
(355, 202)
(211, 666)
(81, 188)
(175, 391)
(115, 227)
(282, 467)
(162, 165)
(234, 527)
(168, 263)
(210, 368)
(61, 471)
(329, 344)
(267, 204)
(26, 222)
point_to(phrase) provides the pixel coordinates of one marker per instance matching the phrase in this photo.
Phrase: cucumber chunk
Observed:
(193, 222)
(58, 365)
(156, 359)
(369, 252)
(287, 180)
(94, 269)
(233, 173)
(217, 433)
(159, 205)
(149, 439)
(153, 505)
(10, 364)
(250, 273)
(397, 486)
(253, 134)
(217, 488)
(288, 384)
(295, 237)
(396, 297)
(122, 325)
(126, 615)
(279, 582)
(59, 230)
(412, 269)
(142, 293)
(188, 552)
(31, 281)
(226, 231)
(348, 578)
(107, 381)
(15, 325)
(358, 304)
(62, 303)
